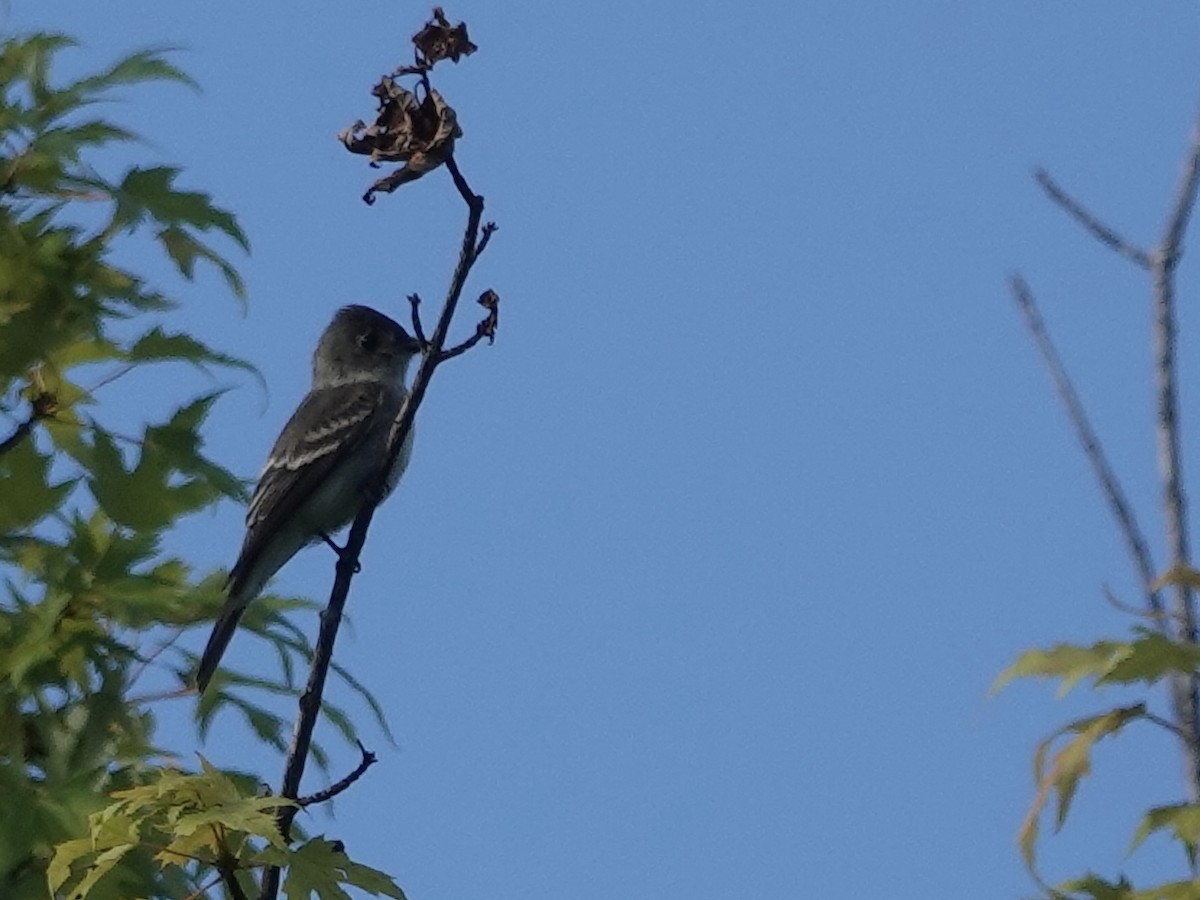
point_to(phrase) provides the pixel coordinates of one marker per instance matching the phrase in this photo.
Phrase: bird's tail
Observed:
(222, 634)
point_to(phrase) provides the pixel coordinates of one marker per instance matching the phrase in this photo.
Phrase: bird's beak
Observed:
(408, 346)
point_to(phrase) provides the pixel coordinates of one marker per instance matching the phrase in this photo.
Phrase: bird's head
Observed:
(362, 344)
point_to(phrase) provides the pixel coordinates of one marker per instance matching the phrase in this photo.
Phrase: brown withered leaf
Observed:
(420, 134)
(440, 40)
(490, 301)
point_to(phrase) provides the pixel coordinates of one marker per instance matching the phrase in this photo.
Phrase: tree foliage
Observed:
(91, 806)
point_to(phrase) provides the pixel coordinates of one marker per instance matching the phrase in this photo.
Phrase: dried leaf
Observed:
(440, 40)
(419, 134)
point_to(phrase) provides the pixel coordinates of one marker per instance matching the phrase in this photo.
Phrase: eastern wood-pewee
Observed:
(320, 470)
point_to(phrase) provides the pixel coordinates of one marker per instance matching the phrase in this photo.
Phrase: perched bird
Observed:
(321, 468)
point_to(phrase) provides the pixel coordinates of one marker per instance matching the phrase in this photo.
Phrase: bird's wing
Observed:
(328, 426)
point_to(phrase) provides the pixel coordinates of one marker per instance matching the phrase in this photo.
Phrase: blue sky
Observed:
(700, 575)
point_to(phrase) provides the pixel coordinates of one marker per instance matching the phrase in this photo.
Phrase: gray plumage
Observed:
(320, 470)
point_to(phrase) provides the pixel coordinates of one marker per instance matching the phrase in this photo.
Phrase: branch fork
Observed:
(1160, 262)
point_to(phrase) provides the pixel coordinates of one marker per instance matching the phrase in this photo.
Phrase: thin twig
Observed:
(1157, 617)
(368, 759)
(1170, 464)
(119, 372)
(473, 200)
(146, 660)
(418, 329)
(481, 331)
(1171, 727)
(1098, 229)
(331, 616)
(1135, 540)
(485, 237)
(1185, 199)
(486, 328)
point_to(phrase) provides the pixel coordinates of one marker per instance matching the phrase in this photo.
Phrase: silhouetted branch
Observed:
(331, 616)
(1098, 229)
(1135, 540)
(227, 866)
(421, 134)
(310, 700)
(485, 237)
(486, 328)
(368, 759)
(418, 329)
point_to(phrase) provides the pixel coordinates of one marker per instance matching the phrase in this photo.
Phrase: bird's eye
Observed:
(368, 340)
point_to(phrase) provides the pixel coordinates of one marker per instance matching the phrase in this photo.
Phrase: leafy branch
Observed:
(92, 802)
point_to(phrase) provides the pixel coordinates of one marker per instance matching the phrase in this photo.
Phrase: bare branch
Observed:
(1185, 199)
(422, 134)
(227, 866)
(1098, 229)
(1188, 740)
(347, 566)
(119, 372)
(418, 329)
(368, 759)
(486, 328)
(473, 200)
(1135, 540)
(485, 237)
(1186, 691)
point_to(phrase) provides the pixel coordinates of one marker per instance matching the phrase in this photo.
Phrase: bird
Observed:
(327, 459)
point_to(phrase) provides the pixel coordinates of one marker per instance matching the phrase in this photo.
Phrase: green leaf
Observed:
(320, 867)
(340, 720)
(144, 65)
(65, 855)
(1152, 657)
(1071, 763)
(148, 497)
(157, 345)
(1175, 890)
(1070, 662)
(25, 485)
(29, 57)
(68, 142)
(184, 250)
(151, 193)
(66, 430)
(1184, 576)
(266, 725)
(1098, 888)
(376, 708)
(180, 441)
(1182, 819)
